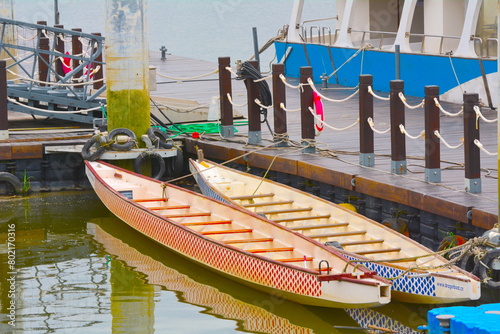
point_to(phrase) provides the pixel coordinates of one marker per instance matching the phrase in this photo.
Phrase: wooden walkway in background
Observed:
(337, 163)
(339, 160)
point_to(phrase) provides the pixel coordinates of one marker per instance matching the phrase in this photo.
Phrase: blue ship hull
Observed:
(417, 70)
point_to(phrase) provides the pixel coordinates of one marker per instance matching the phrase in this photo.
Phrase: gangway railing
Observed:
(53, 72)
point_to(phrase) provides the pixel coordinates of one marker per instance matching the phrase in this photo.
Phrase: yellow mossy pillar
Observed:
(9, 36)
(127, 66)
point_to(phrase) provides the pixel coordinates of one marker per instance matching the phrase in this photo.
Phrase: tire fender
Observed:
(12, 180)
(484, 267)
(160, 137)
(153, 156)
(122, 132)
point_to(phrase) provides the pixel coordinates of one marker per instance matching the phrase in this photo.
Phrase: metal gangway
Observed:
(53, 72)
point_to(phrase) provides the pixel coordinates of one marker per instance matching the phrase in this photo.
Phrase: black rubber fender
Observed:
(484, 268)
(175, 164)
(12, 180)
(122, 147)
(153, 156)
(160, 137)
(87, 149)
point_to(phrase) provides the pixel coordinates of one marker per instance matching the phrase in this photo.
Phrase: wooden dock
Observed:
(337, 159)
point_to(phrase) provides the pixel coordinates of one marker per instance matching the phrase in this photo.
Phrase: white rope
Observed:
(282, 77)
(282, 106)
(372, 125)
(191, 78)
(311, 83)
(257, 101)
(311, 110)
(446, 112)
(480, 145)
(263, 78)
(231, 71)
(480, 115)
(377, 96)
(234, 104)
(53, 111)
(403, 131)
(437, 134)
(403, 99)
(27, 39)
(57, 83)
(454, 72)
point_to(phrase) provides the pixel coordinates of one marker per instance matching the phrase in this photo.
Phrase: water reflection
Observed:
(80, 270)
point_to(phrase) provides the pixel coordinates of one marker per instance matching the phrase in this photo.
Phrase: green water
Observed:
(77, 269)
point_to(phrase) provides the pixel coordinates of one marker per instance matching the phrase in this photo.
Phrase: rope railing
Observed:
(55, 111)
(372, 126)
(461, 111)
(481, 147)
(311, 110)
(403, 131)
(283, 78)
(230, 70)
(189, 78)
(282, 106)
(480, 115)
(234, 104)
(311, 83)
(437, 134)
(257, 101)
(370, 90)
(56, 83)
(403, 99)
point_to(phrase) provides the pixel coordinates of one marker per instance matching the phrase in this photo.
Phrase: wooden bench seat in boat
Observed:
(311, 227)
(248, 197)
(285, 220)
(253, 205)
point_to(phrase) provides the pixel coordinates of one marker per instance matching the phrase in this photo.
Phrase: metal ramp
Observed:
(53, 72)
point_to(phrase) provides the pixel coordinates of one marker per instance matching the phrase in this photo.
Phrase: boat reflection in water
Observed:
(252, 310)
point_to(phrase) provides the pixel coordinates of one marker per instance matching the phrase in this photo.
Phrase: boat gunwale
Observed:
(379, 280)
(344, 252)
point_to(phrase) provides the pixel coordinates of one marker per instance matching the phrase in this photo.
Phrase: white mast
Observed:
(295, 18)
(466, 46)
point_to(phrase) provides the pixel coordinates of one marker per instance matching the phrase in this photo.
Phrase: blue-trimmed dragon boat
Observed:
(418, 274)
(236, 243)
(451, 44)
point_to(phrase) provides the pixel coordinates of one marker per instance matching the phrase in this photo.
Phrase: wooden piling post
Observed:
(398, 139)
(225, 88)
(254, 128)
(43, 61)
(98, 75)
(59, 47)
(366, 141)
(4, 113)
(279, 99)
(432, 143)
(471, 150)
(306, 118)
(77, 50)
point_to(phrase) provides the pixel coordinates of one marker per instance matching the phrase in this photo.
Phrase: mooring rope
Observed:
(234, 104)
(282, 106)
(311, 110)
(480, 115)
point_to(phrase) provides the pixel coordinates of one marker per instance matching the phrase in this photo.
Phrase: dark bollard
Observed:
(398, 140)
(226, 108)
(4, 114)
(254, 129)
(59, 47)
(43, 61)
(77, 51)
(98, 75)
(279, 99)
(366, 142)
(432, 143)
(471, 151)
(306, 118)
